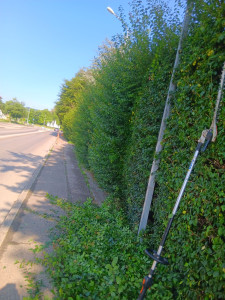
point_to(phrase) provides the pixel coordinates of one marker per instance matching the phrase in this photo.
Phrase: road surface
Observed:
(22, 149)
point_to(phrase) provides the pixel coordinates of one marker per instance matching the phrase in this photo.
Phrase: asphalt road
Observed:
(13, 129)
(22, 149)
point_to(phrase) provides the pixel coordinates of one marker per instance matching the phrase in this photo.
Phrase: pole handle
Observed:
(208, 139)
(153, 254)
(146, 284)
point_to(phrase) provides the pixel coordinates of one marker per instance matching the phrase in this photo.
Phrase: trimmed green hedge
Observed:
(115, 129)
(196, 245)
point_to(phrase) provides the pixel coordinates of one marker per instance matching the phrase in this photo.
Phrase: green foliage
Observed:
(18, 110)
(70, 93)
(42, 117)
(196, 244)
(96, 255)
(70, 99)
(2, 105)
(67, 124)
(146, 119)
(15, 109)
(82, 125)
(118, 83)
(34, 116)
(115, 127)
(103, 121)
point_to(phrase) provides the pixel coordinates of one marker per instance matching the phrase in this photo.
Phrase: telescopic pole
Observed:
(206, 137)
(156, 256)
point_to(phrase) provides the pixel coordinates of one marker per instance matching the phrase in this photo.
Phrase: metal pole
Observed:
(166, 113)
(156, 256)
(28, 116)
(207, 136)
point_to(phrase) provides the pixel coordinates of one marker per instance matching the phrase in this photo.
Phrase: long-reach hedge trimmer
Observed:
(207, 136)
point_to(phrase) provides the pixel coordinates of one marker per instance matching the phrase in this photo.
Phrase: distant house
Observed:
(2, 116)
(53, 124)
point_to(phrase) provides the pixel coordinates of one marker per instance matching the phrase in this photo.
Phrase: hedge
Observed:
(116, 127)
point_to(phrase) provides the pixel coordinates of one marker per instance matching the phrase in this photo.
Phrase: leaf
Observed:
(114, 262)
(118, 280)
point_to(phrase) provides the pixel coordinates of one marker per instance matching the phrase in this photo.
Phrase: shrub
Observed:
(96, 255)
(125, 112)
(196, 243)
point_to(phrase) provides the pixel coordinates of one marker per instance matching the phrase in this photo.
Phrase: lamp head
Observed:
(110, 10)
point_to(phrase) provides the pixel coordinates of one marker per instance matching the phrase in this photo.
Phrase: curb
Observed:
(6, 224)
(98, 194)
(19, 134)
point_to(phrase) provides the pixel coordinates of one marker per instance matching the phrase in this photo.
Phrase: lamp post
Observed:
(28, 115)
(113, 13)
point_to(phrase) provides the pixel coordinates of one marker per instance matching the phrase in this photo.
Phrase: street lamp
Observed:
(28, 115)
(113, 13)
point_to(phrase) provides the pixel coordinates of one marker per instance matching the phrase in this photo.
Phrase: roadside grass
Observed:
(4, 121)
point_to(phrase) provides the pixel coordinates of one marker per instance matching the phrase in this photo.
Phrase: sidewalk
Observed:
(60, 176)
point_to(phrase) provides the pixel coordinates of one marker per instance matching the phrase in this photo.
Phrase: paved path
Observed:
(60, 176)
(20, 155)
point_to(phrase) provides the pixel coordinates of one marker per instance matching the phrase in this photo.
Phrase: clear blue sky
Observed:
(44, 42)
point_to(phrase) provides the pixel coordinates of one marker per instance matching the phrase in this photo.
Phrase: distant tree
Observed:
(34, 116)
(15, 109)
(70, 93)
(55, 116)
(44, 117)
(2, 105)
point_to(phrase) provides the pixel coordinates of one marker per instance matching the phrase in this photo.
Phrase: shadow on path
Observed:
(61, 177)
(9, 292)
